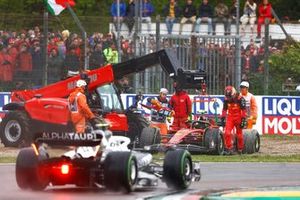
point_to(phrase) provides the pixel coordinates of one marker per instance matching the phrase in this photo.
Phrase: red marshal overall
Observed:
(234, 109)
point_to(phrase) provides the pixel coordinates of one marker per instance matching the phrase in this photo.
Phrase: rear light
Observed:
(65, 169)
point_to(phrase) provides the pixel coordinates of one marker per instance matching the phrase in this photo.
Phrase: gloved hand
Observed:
(243, 123)
(253, 120)
(223, 121)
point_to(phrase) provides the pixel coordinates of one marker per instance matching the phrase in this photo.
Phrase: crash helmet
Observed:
(244, 84)
(229, 91)
(81, 83)
(164, 91)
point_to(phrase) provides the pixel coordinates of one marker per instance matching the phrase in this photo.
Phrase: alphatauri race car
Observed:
(99, 159)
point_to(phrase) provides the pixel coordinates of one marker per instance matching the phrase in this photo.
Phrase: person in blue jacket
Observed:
(147, 11)
(118, 16)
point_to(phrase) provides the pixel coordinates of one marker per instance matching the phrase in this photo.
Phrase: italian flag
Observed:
(55, 7)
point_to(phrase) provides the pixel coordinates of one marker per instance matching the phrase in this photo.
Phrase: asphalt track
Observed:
(215, 176)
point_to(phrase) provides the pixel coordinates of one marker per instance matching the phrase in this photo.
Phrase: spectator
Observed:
(24, 62)
(55, 66)
(171, 12)
(6, 61)
(232, 16)
(124, 86)
(189, 15)
(147, 11)
(118, 14)
(221, 15)
(249, 15)
(205, 15)
(130, 13)
(265, 15)
(111, 54)
(37, 62)
(97, 58)
(71, 64)
(13, 52)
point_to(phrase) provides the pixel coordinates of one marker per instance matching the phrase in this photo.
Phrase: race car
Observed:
(101, 160)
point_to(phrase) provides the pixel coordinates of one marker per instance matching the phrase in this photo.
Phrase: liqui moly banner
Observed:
(281, 115)
(276, 114)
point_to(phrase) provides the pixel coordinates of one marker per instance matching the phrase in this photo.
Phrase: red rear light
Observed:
(65, 169)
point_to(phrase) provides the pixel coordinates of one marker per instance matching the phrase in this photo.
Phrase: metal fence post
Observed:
(266, 57)
(238, 62)
(157, 32)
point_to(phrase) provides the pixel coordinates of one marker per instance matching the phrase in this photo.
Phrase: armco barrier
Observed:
(276, 114)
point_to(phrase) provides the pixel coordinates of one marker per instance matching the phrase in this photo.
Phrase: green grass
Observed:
(7, 159)
(247, 158)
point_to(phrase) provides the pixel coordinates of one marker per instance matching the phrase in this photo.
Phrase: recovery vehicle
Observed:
(45, 110)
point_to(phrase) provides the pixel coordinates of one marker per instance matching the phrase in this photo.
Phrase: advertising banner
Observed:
(276, 114)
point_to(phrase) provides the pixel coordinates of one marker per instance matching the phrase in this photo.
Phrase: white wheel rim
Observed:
(187, 168)
(133, 173)
(13, 137)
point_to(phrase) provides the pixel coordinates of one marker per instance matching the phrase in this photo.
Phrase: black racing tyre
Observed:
(256, 140)
(177, 169)
(120, 171)
(249, 141)
(214, 141)
(136, 124)
(150, 136)
(15, 129)
(29, 174)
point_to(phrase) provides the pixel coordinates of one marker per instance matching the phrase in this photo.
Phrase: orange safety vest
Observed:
(79, 110)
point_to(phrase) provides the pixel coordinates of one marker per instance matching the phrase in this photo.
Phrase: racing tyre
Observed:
(136, 124)
(149, 136)
(256, 139)
(29, 174)
(214, 141)
(177, 169)
(120, 171)
(15, 130)
(249, 141)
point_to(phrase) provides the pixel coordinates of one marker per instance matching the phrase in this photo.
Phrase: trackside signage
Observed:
(281, 115)
(276, 114)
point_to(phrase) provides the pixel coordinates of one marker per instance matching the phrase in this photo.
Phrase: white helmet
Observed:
(244, 84)
(80, 83)
(164, 91)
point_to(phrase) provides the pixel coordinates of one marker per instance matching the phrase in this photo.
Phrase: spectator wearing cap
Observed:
(55, 66)
(189, 15)
(118, 13)
(205, 14)
(172, 12)
(147, 11)
(221, 15)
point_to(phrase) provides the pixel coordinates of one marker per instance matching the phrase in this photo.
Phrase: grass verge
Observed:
(7, 159)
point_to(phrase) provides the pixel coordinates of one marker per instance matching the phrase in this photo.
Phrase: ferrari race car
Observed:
(101, 160)
(203, 135)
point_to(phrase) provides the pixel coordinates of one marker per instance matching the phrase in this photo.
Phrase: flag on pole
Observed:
(55, 7)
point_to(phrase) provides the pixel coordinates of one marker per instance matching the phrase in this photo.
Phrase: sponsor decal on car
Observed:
(69, 136)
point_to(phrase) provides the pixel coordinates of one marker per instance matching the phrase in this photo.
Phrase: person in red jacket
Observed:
(79, 108)
(234, 110)
(264, 12)
(182, 105)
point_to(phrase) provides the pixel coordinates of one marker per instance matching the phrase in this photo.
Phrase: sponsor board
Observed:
(280, 115)
(276, 114)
